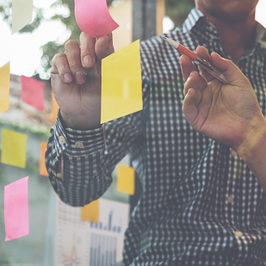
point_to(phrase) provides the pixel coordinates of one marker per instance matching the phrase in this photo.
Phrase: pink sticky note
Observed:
(93, 17)
(32, 92)
(16, 209)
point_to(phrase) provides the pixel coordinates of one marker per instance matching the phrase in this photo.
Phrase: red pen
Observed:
(214, 71)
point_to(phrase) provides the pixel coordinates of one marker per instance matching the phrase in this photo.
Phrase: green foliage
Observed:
(177, 10)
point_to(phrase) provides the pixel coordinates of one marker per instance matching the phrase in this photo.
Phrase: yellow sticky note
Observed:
(121, 83)
(13, 148)
(43, 170)
(90, 212)
(21, 14)
(126, 179)
(4, 87)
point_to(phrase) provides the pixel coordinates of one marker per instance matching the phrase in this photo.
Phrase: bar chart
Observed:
(86, 243)
(107, 227)
(103, 250)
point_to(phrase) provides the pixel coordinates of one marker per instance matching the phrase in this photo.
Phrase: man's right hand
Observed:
(76, 80)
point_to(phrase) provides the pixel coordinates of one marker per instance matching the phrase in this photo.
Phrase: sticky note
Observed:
(4, 87)
(13, 148)
(54, 108)
(93, 17)
(43, 170)
(21, 14)
(126, 179)
(32, 92)
(16, 209)
(90, 212)
(121, 83)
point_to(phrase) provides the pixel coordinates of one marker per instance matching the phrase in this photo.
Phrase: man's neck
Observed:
(236, 37)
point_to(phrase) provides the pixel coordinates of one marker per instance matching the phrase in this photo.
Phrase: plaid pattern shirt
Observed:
(201, 205)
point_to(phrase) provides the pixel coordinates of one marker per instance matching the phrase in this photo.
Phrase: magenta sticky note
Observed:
(32, 92)
(93, 17)
(16, 210)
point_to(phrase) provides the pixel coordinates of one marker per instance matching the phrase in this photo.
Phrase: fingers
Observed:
(104, 46)
(190, 109)
(87, 49)
(72, 64)
(60, 66)
(196, 82)
(187, 66)
(72, 51)
(203, 53)
(231, 72)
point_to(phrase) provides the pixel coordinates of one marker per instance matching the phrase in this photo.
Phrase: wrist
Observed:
(78, 122)
(253, 148)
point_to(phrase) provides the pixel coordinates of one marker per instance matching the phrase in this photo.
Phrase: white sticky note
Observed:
(21, 14)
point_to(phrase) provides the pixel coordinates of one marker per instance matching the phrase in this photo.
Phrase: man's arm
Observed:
(81, 155)
(228, 113)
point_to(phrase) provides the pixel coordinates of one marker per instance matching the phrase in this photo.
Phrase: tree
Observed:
(177, 10)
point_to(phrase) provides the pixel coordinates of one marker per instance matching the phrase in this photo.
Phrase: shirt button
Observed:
(62, 140)
(79, 144)
(59, 175)
(238, 234)
(230, 199)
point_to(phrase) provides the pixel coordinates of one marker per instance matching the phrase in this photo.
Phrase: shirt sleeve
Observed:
(80, 163)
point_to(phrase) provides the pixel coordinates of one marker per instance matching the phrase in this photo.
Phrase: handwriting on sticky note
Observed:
(121, 83)
(16, 209)
(90, 212)
(13, 148)
(4, 87)
(43, 170)
(32, 92)
(93, 17)
(21, 14)
(126, 179)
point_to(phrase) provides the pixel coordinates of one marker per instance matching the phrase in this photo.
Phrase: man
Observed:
(204, 200)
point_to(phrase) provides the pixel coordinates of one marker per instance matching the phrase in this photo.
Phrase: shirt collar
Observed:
(196, 14)
(260, 34)
(192, 19)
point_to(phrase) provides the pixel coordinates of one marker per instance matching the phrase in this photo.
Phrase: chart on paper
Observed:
(85, 243)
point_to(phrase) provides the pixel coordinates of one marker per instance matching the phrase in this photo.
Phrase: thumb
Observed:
(104, 46)
(189, 108)
(231, 72)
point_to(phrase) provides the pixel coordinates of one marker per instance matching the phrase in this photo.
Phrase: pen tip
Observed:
(173, 43)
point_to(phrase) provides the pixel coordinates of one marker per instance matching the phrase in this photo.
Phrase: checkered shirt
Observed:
(201, 205)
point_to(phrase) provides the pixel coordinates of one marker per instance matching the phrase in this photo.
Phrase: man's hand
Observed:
(76, 80)
(228, 113)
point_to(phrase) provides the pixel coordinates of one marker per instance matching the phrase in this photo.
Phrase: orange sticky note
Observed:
(43, 170)
(13, 148)
(4, 87)
(121, 83)
(55, 108)
(126, 179)
(90, 212)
